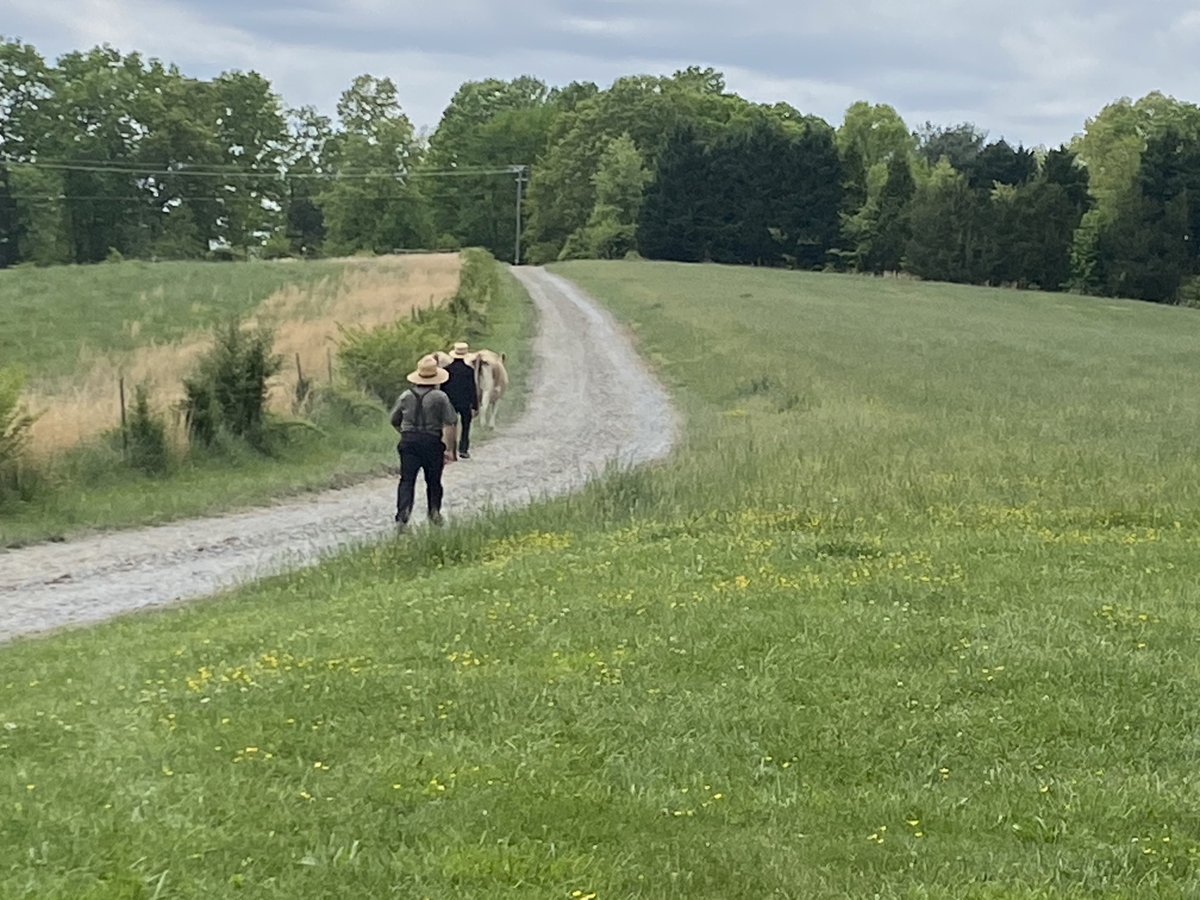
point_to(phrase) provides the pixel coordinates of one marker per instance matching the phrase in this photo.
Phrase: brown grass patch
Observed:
(369, 292)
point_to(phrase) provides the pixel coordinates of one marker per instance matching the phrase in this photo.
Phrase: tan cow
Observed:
(491, 381)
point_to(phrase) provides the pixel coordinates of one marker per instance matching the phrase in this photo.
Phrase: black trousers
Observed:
(419, 452)
(464, 428)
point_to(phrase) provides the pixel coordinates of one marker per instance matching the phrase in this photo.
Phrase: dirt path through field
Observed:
(577, 420)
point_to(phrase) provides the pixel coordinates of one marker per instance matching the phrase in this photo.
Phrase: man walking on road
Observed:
(463, 394)
(426, 422)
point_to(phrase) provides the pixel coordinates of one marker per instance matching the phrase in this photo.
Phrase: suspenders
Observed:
(419, 416)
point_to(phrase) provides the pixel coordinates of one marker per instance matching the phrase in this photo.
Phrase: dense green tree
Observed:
(619, 181)
(874, 134)
(103, 152)
(874, 141)
(854, 179)
(1063, 168)
(671, 223)
(1170, 172)
(948, 240)
(877, 132)
(1143, 249)
(184, 207)
(26, 86)
(113, 136)
(252, 136)
(746, 167)
(1147, 246)
(1112, 142)
(999, 163)
(568, 97)
(9, 233)
(1035, 223)
(562, 194)
(490, 126)
(1111, 148)
(98, 125)
(40, 223)
(889, 228)
(1030, 231)
(513, 137)
(304, 221)
(810, 195)
(766, 191)
(475, 104)
(1031, 216)
(370, 202)
(854, 219)
(958, 144)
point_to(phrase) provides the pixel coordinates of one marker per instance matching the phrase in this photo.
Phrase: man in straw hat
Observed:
(463, 393)
(426, 422)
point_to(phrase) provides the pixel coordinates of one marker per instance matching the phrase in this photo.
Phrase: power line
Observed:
(163, 201)
(522, 173)
(196, 198)
(202, 172)
(42, 159)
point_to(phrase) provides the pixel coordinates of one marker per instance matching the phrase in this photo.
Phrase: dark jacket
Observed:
(461, 386)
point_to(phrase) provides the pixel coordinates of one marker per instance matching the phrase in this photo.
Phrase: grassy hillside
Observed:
(76, 330)
(911, 613)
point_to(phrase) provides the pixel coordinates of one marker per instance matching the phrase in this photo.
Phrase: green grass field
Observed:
(89, 490)
(47, 315)
(910, 614)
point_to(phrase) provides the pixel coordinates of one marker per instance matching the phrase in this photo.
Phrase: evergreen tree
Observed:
(1142, 250)
(1148, 247)
(947, 240)
(610, 232)
(1036, 225)
(890, 220)
(672, 223)
(811, 196)
(998, 163)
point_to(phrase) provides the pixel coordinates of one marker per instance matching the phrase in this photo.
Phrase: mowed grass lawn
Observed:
(912, 613)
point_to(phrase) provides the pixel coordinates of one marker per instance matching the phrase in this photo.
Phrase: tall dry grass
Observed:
(305, 320)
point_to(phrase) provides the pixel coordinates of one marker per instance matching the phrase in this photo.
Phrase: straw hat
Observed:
(428, 372)
(461, 350)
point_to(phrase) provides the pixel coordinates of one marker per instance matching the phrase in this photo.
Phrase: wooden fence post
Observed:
(124, 429)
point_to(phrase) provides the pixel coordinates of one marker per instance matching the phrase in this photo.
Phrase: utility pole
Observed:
(519, 171)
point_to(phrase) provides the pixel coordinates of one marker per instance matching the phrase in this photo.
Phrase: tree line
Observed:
(104, 154)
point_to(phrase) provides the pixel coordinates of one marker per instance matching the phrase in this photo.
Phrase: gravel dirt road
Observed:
(576, 422)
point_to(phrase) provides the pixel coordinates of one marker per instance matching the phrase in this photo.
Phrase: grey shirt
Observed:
(435, 410)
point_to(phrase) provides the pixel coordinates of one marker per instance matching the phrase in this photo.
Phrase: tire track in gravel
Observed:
(576, 423)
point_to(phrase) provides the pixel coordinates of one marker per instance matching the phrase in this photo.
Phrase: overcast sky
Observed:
(1027, 70)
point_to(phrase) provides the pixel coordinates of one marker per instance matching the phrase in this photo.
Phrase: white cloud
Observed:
(1189, 21)
(585, 25)
(163, 29)
(1030, 71)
